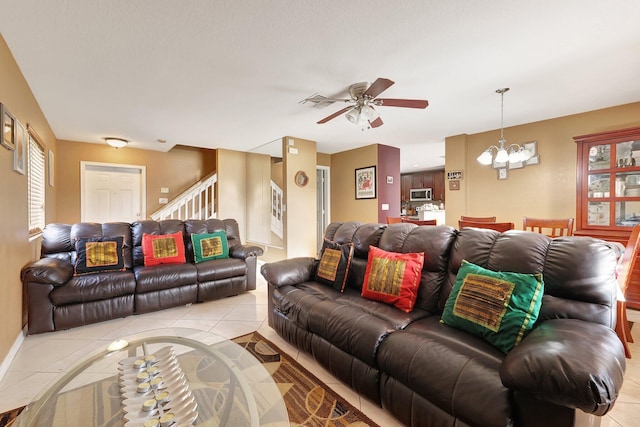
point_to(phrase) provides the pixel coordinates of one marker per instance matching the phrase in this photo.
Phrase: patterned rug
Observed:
(309, 401)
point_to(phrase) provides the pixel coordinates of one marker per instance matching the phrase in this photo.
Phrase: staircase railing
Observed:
(196, 202)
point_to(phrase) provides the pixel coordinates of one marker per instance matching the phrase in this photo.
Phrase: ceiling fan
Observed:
(363, 99)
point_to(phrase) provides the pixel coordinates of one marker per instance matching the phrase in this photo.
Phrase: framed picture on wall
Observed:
(19, 159)
(8, 128)
(366, 183)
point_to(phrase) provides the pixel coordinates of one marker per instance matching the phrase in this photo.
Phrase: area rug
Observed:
(309, 401)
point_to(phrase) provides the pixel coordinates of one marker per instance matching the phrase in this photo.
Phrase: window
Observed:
(36, 190)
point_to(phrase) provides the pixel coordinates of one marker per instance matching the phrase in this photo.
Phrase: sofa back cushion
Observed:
(434, 241)
(140, 228)
(578, 272)
(200, 226)
(59, 240)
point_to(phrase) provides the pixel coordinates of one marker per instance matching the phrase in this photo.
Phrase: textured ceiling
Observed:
(231, 74)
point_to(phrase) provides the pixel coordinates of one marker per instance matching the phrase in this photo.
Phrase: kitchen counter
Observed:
(437, 214)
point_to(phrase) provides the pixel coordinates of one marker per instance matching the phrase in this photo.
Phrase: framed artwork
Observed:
(19, 159)
(503, 173)
(8, 128)
(366, 183)
(51, 168)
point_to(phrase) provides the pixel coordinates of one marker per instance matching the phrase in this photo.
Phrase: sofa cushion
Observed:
(456, 372)
(165, 276)
(97, 254)
(393, 277)
(333, 268)
(163, 249)
(94, 287)
(208, 246)
(353, 324)
(219, 269)
(499, 306)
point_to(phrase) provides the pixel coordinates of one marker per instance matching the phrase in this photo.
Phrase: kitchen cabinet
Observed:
(405, 187)
(608, 190)
(438, 185)
(417, 180)
(430, 179)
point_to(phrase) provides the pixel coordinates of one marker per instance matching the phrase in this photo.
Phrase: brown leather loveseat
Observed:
(566, 371)
(59, 299)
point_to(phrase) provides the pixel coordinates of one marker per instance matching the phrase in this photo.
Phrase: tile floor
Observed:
(43, 357)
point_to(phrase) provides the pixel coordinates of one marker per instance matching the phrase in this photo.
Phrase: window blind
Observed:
(36, 190)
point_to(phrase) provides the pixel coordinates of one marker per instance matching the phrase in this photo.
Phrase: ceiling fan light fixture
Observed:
(367, 113)
(363, 99)
(116, 142)
(354, 115)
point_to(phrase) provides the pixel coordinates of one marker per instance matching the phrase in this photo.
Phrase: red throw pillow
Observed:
(393, 277)
(163, 249)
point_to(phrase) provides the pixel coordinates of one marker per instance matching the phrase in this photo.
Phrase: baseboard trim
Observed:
(6, 363)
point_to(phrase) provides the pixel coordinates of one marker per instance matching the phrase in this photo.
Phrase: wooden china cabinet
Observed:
(608, 190)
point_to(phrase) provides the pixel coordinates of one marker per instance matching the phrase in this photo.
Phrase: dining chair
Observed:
(550, 227)
(394, 220)
(498, 226)
(478, 218)
(628, 264)
(420, 222)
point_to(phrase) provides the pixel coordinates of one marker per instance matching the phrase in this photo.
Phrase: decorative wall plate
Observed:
(301, 179)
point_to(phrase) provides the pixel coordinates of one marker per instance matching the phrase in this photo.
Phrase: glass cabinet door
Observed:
(599, 157)
(609, 177)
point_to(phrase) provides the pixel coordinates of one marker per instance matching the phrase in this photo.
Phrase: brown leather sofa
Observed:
(567, 371)
(59, 300)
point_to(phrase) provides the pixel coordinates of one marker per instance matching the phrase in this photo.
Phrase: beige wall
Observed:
(178, 169)
(300, 202)
(258, 200)
(323, 159)
(547, 190)
(15, 248)
(344, 206)
(232, 187)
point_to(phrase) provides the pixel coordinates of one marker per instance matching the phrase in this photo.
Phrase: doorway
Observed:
(112, 192)
(323, 209)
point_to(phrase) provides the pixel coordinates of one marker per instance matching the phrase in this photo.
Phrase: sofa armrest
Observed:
(289, 271)
(245, 251)
(50, 271)
(568, 362)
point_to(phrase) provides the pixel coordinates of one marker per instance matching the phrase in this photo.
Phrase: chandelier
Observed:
(513, 153)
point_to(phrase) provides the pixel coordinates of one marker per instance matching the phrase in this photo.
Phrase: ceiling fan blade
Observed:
(407, 103)
(334, 115)
(376, 123)
(379, 86)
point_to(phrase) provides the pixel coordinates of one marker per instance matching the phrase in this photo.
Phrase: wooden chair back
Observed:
(628, 265)
(420, 222)
(498, 226)
(550, 227)
(394, 220)
(478, 218)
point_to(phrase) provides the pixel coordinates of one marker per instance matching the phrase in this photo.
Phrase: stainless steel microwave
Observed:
(420, 194)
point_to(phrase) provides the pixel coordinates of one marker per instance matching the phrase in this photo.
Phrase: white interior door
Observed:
(322, 205)
(112, 193)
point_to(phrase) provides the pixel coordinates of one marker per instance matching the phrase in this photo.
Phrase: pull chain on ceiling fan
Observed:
(363, 100)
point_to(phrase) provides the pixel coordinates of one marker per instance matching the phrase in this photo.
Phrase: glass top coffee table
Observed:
(163, 377)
